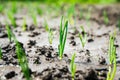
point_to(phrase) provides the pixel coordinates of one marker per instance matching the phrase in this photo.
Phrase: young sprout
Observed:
(50, 36)
(24, 27)
(22, 60)
(13, 7)
(9, 32)
(73, 66)
(105, 16)
(39, 11)
(83, 36)
(1, 8)
(20, 55)
(12, 19)
(46, 25)
(34, 18)
(71, 20)
(62, 38)
(112, 58)
(0, 53)
(71, 12)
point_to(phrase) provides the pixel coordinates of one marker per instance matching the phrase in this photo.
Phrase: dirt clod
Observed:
(91, 75)
(102, 61)
(10, 75)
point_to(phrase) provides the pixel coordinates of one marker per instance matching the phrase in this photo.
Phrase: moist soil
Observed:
(92, 60)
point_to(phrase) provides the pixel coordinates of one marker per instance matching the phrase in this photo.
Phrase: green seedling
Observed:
(14, 7)
(62, 38)
(105, 16)
(24, 27)
(83, 36)
(39, 11)
(22, 60)
(71, 12)
(0, 53)
(20, 54)
(72, 22)
(9, 32)
(1, 8)
(12, 19)
(34, 18)
(50, 36)
(73, 66)
(46, 25)
(112, 58)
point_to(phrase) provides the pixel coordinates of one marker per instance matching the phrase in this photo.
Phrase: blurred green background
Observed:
(82, 1)
(71, 1)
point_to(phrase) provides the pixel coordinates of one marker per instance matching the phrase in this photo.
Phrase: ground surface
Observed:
(92, 60)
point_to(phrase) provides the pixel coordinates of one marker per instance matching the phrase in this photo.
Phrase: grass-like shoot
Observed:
(24, 27)
(50, 31)
(105, 16)
(1, 8)
(20, 54)
(9, 32)
(11, 17)
(50, 36)
(112, 58)
(22, 60)
(62, 38)
(46, 25)
(0, 53)
(34, 18)
(73, 66)
(39, 11)
(83, 36)
(14, 7)
(70, 13)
